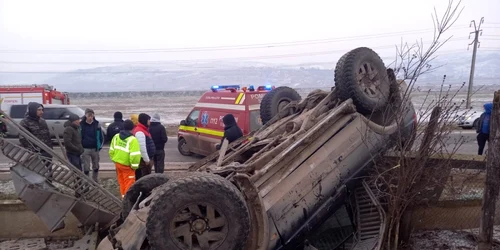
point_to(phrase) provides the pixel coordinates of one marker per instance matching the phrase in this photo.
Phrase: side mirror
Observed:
(183, 123)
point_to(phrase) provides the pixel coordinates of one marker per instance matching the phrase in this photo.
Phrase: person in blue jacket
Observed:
(483, 128)
(92, 142)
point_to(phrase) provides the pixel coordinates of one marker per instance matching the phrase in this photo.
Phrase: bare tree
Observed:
(408, 179)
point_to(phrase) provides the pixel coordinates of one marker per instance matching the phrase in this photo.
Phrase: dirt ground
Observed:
(447, 239)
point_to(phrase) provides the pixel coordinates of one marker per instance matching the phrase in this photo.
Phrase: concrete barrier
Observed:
(19, 222)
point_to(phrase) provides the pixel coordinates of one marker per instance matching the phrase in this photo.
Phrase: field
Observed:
(172, 109)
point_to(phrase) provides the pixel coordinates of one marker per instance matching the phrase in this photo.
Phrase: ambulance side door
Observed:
(211, 131)
(192, 135)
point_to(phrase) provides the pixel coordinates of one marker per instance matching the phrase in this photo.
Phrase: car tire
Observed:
(197, 209)
(336, 75)
(275, 100)
(145, 185)
(371, 92)
(183, 148)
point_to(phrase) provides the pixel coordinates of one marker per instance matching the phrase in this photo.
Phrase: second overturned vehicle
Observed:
(293, 184)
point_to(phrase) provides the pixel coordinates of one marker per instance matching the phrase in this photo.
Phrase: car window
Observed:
(192, 119)
(53, 113)
(18, 111)
(75, 110)
(255, 121)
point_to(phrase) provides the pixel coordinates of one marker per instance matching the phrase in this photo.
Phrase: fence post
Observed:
(492, 178)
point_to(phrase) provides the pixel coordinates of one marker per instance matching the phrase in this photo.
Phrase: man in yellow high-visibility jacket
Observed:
(125, 152)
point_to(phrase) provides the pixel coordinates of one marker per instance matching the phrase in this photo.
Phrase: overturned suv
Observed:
(280, 186)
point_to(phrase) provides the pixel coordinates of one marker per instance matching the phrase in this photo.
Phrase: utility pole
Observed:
(477, 32)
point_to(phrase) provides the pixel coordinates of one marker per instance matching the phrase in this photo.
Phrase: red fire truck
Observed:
(203, 127)
(23, 94)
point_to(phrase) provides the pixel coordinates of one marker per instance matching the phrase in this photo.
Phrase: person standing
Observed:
(134, 118)
(231, 130)
(141, 132)
(73, 141)
(3, 126)
(159, 136)
(125, 152)
(37, 126)
(92, 142)
(483, 128)
(115, 127)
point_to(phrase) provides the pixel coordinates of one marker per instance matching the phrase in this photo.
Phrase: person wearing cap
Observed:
(141, 132)
(159, 136)
(125, 152)
(92, 142)
(115, 127)
(73, 141)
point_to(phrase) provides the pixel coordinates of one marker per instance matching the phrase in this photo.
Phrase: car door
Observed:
(55, 120)
(17, 113)
(192, 135)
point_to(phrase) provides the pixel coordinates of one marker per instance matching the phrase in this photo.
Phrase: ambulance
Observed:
(203, 128)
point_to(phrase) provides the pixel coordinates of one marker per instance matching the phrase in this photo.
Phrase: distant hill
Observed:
(191, 76)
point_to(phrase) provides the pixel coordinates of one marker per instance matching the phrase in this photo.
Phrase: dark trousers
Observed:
(159, 161)
(142, 171)
(481, 142)
(75, 160)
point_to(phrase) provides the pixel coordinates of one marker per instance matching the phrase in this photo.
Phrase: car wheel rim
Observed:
(199, 226)
(368, 80)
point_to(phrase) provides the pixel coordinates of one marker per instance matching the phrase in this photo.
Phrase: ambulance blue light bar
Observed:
(266, 87)
(217, 87)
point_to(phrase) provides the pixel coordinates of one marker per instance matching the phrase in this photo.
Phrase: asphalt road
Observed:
(173, 157)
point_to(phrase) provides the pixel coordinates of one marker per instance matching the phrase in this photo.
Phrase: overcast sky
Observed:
(149, 30)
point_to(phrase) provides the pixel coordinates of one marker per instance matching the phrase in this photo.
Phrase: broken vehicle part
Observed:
(34, 177)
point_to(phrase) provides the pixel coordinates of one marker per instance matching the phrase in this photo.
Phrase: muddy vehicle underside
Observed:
(281, 187)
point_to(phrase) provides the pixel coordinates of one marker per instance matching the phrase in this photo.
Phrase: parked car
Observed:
(55, 115)
(469, 120)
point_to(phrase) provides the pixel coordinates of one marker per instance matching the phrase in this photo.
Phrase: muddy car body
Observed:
(274, 187)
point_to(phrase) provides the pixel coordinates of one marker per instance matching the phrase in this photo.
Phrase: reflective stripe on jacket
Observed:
(126, 152)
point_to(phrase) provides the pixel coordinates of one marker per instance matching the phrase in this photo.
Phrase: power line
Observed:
(211, 59)
(229, 47)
